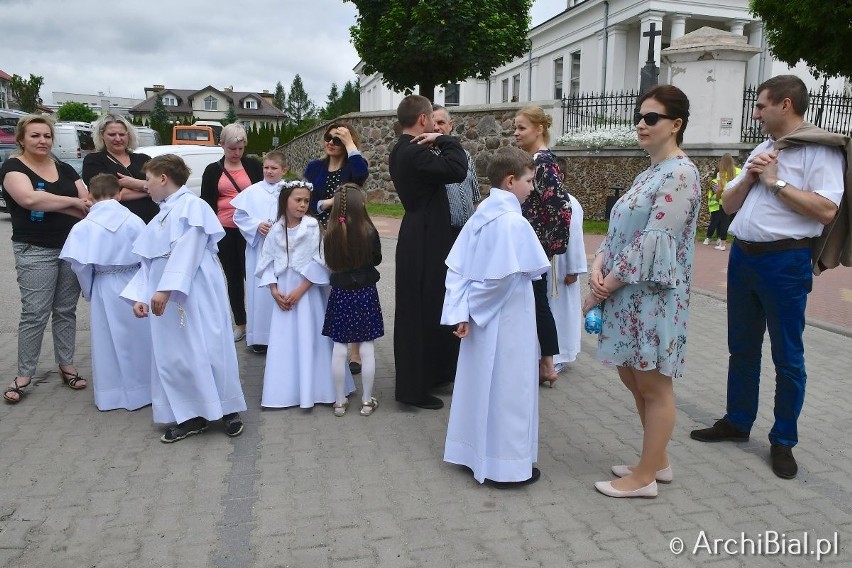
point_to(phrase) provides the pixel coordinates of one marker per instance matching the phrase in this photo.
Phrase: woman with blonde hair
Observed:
(719, 220)
(548, 209)
(45, 199)
(220, 183)
(115, 142)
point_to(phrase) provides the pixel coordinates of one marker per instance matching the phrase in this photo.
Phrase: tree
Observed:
(76, 112)
(332, 105)
(815, 31)
(438, 42)
(159, 119)
(25, 91)
(350, 98)
(230, 116)
(300, 108)
(279, 99)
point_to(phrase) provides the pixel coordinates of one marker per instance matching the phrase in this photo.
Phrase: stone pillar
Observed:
(738, 26)
(616, 57)
(678, 26)
(755, 39)
(647, 18)
(709, 65)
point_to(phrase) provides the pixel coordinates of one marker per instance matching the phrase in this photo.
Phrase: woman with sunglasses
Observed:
(641, 276)
(343, 163)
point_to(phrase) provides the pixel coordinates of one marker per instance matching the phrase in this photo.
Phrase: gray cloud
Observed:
(122, 46)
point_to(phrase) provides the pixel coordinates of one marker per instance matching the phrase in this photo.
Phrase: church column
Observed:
(655, 18)
(738, 26)
(755, 38)
(678, 26)
(616, 56)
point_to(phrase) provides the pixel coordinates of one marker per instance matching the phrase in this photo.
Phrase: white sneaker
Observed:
(239, 334)
(719, 247)
(706, 241)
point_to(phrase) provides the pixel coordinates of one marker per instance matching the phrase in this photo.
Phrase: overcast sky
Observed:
(121, 46)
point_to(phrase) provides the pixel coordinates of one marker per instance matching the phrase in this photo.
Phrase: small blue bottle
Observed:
(37, 216)
(594, 320)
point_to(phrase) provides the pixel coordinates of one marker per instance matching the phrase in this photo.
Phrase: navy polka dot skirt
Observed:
(353, 316)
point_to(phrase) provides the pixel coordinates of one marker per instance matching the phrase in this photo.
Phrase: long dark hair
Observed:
(348, 242)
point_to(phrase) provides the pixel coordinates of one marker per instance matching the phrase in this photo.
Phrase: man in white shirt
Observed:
(783, 198)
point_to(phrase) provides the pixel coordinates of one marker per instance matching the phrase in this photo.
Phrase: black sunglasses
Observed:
(650, 118)
(334, 139)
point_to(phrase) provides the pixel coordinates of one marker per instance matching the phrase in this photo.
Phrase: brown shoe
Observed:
(783, 463)
(721, 431)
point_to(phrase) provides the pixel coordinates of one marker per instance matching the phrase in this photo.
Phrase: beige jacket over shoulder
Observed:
(834, 246)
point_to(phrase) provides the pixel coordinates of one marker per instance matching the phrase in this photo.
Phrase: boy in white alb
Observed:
(99, 251)
(197, 376)
(255, 210)
(493, 427)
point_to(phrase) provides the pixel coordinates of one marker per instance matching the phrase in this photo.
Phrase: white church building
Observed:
(596, 46)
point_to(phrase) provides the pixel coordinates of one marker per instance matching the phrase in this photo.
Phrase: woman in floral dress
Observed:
(548, 209)
(642, 274)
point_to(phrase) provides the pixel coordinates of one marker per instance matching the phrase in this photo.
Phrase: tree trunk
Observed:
(427, 90)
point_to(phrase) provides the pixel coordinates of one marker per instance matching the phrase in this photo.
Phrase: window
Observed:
(250, 104)
(211, 103)
(247, 124)
(2, 99)
(574, 87)
(557, 78)
(169, 100)
(451, 98)
(505, 90)
(516, 88)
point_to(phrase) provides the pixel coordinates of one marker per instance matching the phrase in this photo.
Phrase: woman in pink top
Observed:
(220, 183)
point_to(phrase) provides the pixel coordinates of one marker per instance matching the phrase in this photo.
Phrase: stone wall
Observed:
(589, 175)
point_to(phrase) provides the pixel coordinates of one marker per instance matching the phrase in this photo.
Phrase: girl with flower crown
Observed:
(298, 362)
(352, 252)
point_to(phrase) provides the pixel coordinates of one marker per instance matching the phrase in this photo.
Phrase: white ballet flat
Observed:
(663, 475)
(647, 492)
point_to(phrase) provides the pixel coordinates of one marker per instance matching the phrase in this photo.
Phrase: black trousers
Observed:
(232, 255)
(544, 322)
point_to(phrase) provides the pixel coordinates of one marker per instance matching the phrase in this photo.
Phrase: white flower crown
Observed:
(297, 183)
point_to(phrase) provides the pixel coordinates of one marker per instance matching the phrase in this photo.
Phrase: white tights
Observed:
(338, 371)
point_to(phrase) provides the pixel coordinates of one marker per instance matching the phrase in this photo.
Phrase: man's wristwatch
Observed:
(778, 186)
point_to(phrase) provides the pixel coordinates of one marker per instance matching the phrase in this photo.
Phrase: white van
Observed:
(196, 157)
(72, 140)
(147, 136)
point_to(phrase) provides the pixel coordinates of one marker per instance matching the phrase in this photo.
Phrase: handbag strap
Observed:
(230, 177)
(119, 164)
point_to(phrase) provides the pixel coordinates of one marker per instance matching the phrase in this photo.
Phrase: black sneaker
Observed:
(783, 463)
(192, 426)
(233, 424)
(536, 474)
(259, 349)
(721, 431)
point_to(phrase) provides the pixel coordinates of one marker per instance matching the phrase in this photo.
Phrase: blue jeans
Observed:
(767, 291)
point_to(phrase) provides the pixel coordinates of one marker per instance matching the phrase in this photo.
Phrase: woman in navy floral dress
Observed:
(548, 209)
(641, 274)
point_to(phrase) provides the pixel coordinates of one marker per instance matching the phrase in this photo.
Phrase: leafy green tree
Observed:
(300, 108)
(26, 91)
(438, 42)
(815, 31)
(159, 119)
(279, 99)
(76, 111)
(350, 98)
(230, 116)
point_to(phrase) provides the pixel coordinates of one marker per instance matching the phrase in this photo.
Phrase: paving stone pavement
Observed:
(301, 488)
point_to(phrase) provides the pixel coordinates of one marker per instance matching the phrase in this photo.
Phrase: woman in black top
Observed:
(115, 140)
(45, 198)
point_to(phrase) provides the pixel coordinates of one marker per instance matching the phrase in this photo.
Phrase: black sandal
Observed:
(73, 379)
(17, 389)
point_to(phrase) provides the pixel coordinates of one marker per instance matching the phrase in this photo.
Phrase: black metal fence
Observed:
(593, 111)
(832, 111)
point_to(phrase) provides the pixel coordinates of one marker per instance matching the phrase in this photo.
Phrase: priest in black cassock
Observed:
(422, 163)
